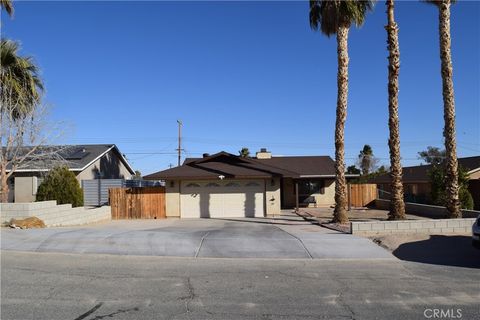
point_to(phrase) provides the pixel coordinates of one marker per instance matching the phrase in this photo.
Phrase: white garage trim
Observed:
(222, 199)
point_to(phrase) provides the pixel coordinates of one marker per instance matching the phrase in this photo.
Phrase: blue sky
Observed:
(243, 74)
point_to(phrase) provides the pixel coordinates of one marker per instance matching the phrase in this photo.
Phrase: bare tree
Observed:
(25, 140)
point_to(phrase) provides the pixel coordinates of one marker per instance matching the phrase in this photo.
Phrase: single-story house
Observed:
(90, 161)
(416, 181)
(226, 185)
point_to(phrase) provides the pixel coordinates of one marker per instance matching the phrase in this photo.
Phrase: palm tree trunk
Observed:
(397, 206)
(340, 213)
(451, 163)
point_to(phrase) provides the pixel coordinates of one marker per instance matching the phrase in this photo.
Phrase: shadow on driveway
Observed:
(441, 250)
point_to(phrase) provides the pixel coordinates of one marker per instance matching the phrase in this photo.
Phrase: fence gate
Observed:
(137, 203)
(95, 191)
(362, 194)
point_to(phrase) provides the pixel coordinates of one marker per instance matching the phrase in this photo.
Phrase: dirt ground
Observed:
(393, 241)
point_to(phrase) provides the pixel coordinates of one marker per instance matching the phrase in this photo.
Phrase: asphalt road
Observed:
(286, 236)
(87, 286)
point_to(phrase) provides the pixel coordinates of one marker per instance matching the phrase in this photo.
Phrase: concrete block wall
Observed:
(53, 214)
(425, 210)
(437, 226)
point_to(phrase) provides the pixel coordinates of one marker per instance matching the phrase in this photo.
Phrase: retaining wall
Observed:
(437, 226)
(425, 210)
(53, 214)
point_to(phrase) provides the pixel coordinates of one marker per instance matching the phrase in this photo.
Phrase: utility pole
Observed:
(179, 141)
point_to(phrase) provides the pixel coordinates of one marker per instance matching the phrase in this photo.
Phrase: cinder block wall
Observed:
(425, 210)
(53, 214)
(437, 226)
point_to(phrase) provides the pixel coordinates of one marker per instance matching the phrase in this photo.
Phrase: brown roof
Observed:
(232, 166)
(304, 165)
(420, 173)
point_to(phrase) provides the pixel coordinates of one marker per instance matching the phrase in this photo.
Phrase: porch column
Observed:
(296, 197)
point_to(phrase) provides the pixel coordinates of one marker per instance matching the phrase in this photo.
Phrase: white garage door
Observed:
(221, 199)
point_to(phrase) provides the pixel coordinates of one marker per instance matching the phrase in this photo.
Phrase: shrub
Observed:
(61, 184)
(437, 182)
(466, 199)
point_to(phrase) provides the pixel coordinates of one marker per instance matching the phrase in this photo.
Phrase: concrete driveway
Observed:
(287, 236)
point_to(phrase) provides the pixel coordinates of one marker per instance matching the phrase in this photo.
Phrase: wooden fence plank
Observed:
(137, 203)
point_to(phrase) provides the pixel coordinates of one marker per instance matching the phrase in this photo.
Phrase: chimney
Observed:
(264, 154)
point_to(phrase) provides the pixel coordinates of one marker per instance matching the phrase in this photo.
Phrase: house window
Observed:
(192, 185)
(212, 184)
(311, 187)
(233, 184)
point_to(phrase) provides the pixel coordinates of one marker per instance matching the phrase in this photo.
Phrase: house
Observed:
(416, 182)
(225, 185)
(91, 161)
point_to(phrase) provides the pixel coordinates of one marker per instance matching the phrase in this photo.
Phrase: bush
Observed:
(437, 182)
(61, 184)
(466, 199)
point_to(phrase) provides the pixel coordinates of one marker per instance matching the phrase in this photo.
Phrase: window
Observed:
(252, 184)
(212, 184)
(311, 187)
(233, 184)
(193, 185)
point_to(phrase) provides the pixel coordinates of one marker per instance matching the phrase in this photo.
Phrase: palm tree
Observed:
(336, 17)
(397, 205)
(451, 162)
(21, 86)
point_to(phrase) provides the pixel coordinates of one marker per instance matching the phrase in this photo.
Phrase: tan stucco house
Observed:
(225, 185)
(91, 161)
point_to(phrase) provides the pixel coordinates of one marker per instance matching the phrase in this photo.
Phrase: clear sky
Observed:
(240, 74)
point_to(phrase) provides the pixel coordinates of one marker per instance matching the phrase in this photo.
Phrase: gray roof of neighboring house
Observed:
(232, 166)
(420, 173)
(75, 157)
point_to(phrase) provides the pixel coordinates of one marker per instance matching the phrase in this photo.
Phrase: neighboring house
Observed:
(95, 161)
(416, 182)
(226, 185)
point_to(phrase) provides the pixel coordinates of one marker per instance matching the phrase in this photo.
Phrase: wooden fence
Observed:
(137, 203)
(362, 194)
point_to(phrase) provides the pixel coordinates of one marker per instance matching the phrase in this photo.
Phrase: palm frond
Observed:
(20, 80)
(7, 5)
(437, 2)
(328, 15)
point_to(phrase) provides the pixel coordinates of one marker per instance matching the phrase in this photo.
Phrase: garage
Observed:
(222, 198)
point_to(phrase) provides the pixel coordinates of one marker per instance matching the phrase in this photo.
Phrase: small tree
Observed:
(432, 155)
(437, 182)
(61, 184)
(366, 160)
(244, 153)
